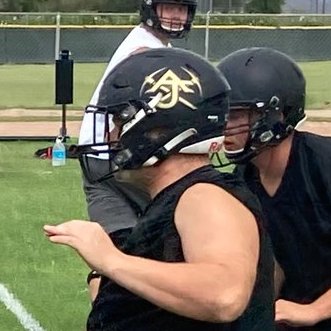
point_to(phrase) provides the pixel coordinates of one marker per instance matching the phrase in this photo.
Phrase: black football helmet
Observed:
(162, 101)
(148, 15)
(271, 84)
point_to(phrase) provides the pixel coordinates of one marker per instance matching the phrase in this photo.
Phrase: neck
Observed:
(165, 40)
(172, 169)
(272, 164)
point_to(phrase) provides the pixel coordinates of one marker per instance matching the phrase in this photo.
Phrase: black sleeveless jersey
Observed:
(299, 219)
(155, 237)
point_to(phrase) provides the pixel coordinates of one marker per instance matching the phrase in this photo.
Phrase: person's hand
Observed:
(88, 239)
(295, 314)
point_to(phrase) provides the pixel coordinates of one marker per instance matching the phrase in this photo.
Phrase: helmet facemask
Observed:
(111, 150)
(155, 144)
(171, 28)
(266, 127)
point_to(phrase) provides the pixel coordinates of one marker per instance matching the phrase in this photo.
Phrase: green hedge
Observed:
(267, 20)
(133, 18)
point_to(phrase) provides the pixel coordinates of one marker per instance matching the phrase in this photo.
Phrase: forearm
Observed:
(322, 306)
(201, 291)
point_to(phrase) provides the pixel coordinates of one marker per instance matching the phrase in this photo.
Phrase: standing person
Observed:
(289, 172)
(116, 206)
(198, 258)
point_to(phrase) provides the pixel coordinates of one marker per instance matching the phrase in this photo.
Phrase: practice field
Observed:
(41, 284)
(32, 86)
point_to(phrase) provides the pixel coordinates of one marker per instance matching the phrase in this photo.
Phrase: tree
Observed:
(121, 6)
(20, 5)
(229, 6)
(264, 6)
(124, 6)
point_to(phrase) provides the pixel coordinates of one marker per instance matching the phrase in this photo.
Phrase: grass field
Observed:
(32, 86)
(48, 280)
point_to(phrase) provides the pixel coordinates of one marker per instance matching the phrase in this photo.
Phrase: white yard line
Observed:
(15, 306)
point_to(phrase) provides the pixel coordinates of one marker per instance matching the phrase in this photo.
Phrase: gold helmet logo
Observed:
(173, 88)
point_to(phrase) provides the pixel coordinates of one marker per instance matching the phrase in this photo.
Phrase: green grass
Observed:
(32, 86)
(49, 280)
(318, 84)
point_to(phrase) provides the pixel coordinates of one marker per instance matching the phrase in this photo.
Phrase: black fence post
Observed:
(64, 69)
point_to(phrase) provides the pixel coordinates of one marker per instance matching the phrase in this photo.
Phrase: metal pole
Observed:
(63, 129)
(323, 6)
(317, 6)
(207, 35)
(57, 36)
(207, 29)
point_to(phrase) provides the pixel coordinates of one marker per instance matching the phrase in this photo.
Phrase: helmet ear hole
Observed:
(157, 134)
(274, 102)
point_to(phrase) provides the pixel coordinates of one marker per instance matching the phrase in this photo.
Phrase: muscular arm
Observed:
(322, 306)
(220, 244)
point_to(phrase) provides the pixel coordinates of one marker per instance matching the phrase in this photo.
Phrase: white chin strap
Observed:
(233, 152)
(202, 147)
(170, 145)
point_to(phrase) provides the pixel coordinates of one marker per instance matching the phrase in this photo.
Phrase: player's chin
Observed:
(128, 176)
(123, 176)
(138, 178)
(229, 145)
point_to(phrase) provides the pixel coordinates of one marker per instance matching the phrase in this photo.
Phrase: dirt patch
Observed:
(23, 113)
(40, 129)
(33, 122)
(322, 128)
(73, 127)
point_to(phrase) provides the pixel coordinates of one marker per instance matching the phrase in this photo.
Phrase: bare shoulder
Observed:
(210, 218)
(205, 197)
(209, 205)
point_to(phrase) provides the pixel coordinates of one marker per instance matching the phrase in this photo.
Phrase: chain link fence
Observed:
(38, 45)
(37, 39)
(32, 43)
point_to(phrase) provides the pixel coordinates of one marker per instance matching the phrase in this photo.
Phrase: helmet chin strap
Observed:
(204, 147)
(170, 145)
(233, 152)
